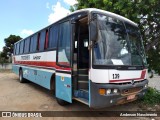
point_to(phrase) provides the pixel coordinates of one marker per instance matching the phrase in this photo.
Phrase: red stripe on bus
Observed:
(43, 63)
(143, 73)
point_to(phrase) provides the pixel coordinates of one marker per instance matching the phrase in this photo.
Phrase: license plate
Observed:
(130, 97)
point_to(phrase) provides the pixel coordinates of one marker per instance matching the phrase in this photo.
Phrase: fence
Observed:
(6, 66)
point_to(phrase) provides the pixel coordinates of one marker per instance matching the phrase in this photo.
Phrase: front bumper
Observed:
(101, 101)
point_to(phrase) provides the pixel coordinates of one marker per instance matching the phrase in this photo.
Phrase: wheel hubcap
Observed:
(20, 76)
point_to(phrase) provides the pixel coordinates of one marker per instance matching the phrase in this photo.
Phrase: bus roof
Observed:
(89, 10)
(105, 12)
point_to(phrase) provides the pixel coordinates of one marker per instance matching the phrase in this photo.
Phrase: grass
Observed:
(152, 97)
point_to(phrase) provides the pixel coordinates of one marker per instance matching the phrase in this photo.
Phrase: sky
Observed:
(24, 17)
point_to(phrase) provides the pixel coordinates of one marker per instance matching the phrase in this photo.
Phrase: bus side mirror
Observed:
(93, 31)
(93, 34)
(93, 28)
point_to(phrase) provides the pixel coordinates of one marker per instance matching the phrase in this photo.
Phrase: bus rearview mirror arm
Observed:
(93, 31)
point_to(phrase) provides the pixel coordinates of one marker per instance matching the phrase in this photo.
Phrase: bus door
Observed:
(83, 55)
(63, 61)
(81, 60)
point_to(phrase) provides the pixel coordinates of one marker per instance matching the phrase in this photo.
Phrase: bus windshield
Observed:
(118, 43)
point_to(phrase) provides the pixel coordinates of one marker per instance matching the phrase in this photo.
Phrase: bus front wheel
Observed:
(61, 102)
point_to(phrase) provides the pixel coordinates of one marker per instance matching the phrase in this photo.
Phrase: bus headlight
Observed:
(115, 91)
(108, 91)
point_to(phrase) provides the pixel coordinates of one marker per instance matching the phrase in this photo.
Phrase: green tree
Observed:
(146, 13)
(2, 59)
(9, 44)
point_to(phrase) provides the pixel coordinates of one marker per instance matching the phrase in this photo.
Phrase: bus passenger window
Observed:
(64, 44)
(27, 45)
(42, 40)
(21, 47)
(33, 46)
(53, 36)
(17, 49)
(14, 52)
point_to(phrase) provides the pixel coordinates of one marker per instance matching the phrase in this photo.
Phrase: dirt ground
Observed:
(15, 96)
(154, 82)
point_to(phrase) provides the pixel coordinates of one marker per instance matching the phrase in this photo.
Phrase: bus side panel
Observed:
(64, 87)
(15, 69)
(29, 74)
(44, 77)
(40, 77)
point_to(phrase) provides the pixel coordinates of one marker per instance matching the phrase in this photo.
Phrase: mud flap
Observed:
(64, 87)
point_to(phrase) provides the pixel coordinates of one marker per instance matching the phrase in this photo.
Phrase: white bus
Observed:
(92, 56)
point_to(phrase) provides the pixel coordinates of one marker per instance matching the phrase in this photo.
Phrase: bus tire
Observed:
(61, 102)
(21, 79)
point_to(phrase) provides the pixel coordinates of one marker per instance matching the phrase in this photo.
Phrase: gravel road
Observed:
(154, 82)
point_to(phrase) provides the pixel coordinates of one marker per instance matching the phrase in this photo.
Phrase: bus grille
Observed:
(126, 83)
(131, 91)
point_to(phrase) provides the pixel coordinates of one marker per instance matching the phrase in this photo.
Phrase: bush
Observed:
(152, 97)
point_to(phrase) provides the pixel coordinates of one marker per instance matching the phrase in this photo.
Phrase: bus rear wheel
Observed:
(21, 79)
